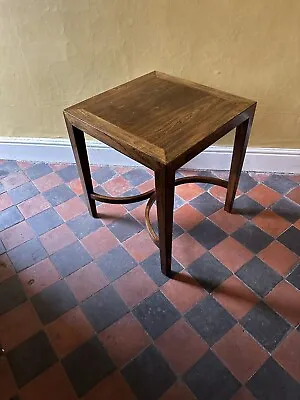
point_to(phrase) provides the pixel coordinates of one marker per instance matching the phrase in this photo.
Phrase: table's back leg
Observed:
(239, 150)
(81, 157)
(165, 187)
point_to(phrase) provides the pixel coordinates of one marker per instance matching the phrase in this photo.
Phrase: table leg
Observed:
(81, 157)
(239, 150)
(165, 187)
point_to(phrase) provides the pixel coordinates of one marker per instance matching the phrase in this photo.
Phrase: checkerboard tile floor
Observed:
(86, 313)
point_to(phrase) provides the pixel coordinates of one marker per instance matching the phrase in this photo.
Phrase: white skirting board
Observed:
(213, 158)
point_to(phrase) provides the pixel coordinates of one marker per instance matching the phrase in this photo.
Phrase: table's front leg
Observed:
(81, 157)
(239, 151)
(165, 186)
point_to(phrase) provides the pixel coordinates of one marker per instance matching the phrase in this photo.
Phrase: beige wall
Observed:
(56, 52)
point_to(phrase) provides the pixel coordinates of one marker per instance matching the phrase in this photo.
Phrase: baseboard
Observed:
(215, 157)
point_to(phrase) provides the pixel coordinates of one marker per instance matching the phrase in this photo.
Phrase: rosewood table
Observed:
(162, 122)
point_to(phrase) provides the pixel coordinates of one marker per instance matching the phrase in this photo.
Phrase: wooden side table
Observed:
(162, 122)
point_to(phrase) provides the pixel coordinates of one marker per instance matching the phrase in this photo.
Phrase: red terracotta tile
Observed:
(76, 186)
(16, 235)
(148, 185)
(113, 387)
(188, 217)
(179, 391)
(38, 277)
(241, 354)
(18, 325)
(297, 224)
(139, 213)
(243, 394)
(71, 208)
(278, 257)
(271, 223)
(228, 222)
(140, 246)
(285, 299)
(295, 178)
(7, 382)
(69, 331)
(122, 170)
(124, 339)
(288, 354)
(295, 195)
(99, 242)
(264, 195)
(186, 249)
(86, 281)
(117, 186)
(51, 384)
(57, 238)
(5, 201)
(189, 191)
(259, 176)
(220, 193)
(48, 182)
(24, 164)
(6, 268)
(236, 297)
(135, 286)
(232, 254)
(110, 212)
(181, 346)
(14, 180)
(183, 291)
(34, 206)
(58, 166)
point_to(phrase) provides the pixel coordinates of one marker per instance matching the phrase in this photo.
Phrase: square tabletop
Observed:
(159, 118)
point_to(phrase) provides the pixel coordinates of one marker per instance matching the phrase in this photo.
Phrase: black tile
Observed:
(132, 192)
(84, 225)
(208, 174)
(38, 170)
(104, 308)
(290, 238)
(103, 174)
(272, 382)
(2, 190)
(10, 217)
(44, 221)
(209, 272)
(70, 259)
(87, 366)
(31, 358)
(152, 267)
(53, 301)
(247, 207)
(156, 314)
(125, 227)
(11, 294)
(177, 230)
(137, 176)
(69, 173)
(58, 194)
(258, 276)
(206, 204)
(27, 254)
(287, 209)
(8, 167)
(280, 183)
(267, 327)
(210, 320)
(252, 237)
(178, 202)
(116, 262)
(294, 277)
(23, 192)
(208, 234)
(246, 182)
(149, 375)
(209, 379)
